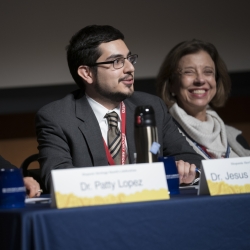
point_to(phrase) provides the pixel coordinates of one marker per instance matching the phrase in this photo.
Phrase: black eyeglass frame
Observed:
(109, 62)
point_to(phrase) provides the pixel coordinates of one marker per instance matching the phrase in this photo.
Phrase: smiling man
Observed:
(87, 127)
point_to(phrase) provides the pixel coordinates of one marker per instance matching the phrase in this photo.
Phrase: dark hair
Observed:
(83, 47)
(168, 69)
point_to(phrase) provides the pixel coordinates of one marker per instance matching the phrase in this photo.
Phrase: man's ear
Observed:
(86, 74)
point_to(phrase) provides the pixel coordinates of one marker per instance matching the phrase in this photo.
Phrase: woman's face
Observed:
(195, 86)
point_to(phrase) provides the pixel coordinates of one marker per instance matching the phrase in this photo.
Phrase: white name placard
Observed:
(108, 185)
(225, 176)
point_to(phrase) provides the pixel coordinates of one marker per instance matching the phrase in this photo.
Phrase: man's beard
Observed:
(113, 96)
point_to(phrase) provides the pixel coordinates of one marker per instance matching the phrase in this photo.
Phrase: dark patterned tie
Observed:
(114, 137)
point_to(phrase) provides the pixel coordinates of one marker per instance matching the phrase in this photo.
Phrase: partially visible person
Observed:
(32, 186)
(192, 80)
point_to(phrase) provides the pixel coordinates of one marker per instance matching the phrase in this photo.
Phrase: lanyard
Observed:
(198, 146)
(206, 154)
(123, 138)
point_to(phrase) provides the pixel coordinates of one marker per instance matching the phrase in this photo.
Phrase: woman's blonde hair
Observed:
(167, 73)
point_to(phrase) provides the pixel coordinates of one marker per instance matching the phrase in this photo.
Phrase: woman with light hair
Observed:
(192, 80)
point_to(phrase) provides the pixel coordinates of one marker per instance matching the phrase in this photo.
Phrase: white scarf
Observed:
(211, 133)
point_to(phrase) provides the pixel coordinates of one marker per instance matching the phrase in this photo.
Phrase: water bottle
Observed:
(146, 136)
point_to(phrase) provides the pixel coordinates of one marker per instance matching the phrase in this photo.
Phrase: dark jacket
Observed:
(69, 135)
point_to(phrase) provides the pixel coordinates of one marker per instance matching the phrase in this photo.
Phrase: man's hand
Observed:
(186, 171)
(32, 187)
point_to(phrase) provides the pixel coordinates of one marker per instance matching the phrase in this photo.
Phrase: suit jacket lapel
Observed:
(130, 109)
(91, 131)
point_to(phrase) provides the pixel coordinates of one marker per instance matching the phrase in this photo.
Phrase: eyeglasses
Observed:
(119, 62)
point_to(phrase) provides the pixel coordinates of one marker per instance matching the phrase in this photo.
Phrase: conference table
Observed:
(185, 221)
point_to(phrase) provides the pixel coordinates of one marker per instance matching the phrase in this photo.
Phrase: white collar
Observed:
(99, 110)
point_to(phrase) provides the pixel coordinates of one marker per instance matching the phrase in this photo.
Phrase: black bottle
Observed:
(146, 135)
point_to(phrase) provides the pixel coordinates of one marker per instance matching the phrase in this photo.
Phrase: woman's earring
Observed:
(173, 94)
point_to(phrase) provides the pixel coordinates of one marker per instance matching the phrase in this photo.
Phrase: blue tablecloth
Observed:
(185, 221)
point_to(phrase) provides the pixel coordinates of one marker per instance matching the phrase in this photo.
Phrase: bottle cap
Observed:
(144, 116)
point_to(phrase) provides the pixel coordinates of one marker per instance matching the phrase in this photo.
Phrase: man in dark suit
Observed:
(72, 132)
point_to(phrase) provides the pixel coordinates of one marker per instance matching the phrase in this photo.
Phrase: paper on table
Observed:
(37, 200)
(189, 187)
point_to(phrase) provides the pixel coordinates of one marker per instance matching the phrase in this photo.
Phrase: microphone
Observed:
(146, 136)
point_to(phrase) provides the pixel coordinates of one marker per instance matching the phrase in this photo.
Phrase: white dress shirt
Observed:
(100, 111)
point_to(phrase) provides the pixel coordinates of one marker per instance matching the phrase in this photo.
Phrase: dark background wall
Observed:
(34, 34)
